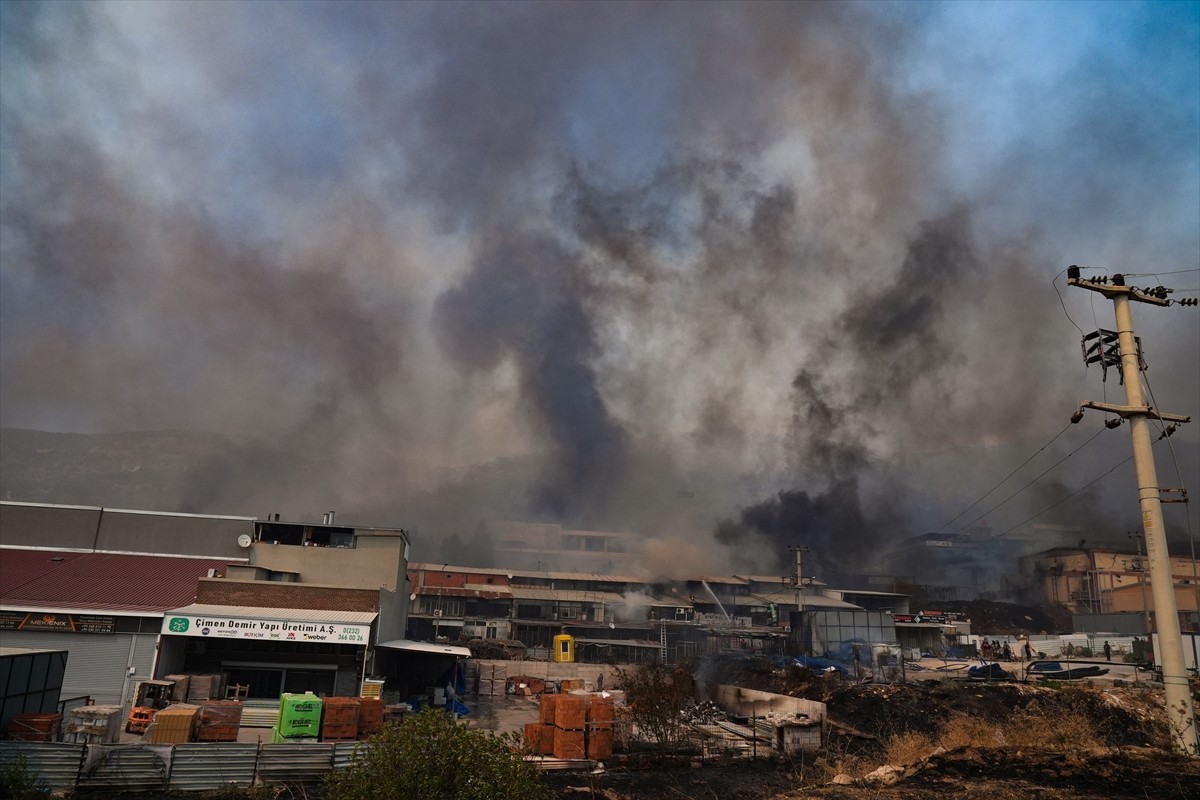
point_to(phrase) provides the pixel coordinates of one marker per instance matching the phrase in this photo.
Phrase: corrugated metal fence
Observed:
(196, 767)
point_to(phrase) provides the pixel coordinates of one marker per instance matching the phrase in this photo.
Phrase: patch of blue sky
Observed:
(263, 117)
(618, 118)
(1008, 71)
(1067, 113)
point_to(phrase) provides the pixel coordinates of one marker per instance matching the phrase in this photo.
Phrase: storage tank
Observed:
(564, 647)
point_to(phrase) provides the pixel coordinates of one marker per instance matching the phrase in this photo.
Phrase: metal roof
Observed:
(426, 647)
(514, 574)
(100, 581)
(810, 600)
(776, 579)
(284, 614)
(570, 595)
(473, 590)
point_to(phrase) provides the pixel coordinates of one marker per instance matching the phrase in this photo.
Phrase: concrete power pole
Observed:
(1180, 713)
(797, 581)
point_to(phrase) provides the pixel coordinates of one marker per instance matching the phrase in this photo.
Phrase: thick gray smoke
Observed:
(780, 273)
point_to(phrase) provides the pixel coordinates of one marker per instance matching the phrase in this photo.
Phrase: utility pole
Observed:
(1180, 713)
(797, 581)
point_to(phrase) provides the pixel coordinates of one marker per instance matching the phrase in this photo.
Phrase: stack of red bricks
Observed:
(339, 720)
(370, 715)
(572, 726)
(600, 727)
(219, 721)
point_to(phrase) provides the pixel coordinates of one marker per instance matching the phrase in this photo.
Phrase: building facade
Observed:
(274, 605)
(1109, 580)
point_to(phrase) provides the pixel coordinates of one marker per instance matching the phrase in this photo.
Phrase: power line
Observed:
(1065, 499)
(1005, 478)
(1030, 483)
(1063, 303)
(1155, 274)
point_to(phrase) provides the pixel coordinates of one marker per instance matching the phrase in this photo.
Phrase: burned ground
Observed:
(1035, 751)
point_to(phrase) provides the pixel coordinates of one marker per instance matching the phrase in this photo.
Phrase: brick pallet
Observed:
(219, 721)
(370, 715)
(339, 733)
(339, 719)
(35, 727)
(573, 726)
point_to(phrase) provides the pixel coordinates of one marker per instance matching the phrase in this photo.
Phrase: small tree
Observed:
(655, 695)
(430, 755)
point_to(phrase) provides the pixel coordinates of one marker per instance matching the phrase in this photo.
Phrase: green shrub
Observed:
(430, 755)
(17, 782)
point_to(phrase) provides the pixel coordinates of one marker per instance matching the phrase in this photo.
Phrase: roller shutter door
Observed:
(95, 663)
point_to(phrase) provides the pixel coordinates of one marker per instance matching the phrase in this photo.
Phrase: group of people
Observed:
(1001, 651)
(994, 651)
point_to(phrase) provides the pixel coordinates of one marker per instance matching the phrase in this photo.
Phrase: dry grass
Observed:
(1028, 728)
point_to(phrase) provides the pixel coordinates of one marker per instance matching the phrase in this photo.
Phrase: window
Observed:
(448, 606)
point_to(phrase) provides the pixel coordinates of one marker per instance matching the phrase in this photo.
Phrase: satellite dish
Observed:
(244, 540)
(412, 596)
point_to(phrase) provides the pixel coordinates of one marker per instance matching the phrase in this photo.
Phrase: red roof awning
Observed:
(100, 581)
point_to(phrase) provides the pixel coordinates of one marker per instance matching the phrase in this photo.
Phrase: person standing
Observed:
(1107, 651)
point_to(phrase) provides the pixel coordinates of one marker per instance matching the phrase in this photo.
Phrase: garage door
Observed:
(95, 664)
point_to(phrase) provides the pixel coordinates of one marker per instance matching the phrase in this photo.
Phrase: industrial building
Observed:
(275, 605)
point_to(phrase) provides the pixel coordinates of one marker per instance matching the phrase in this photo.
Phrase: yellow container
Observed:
(564, 647)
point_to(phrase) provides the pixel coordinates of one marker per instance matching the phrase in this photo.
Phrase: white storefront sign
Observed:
(285, 630)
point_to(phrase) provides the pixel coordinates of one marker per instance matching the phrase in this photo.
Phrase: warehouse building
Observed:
(274, 605)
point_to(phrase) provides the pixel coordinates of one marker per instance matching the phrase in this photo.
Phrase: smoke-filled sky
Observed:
(782, 272)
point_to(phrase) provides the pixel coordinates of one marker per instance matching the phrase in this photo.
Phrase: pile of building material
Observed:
(205, 687)
(35, 727)
(505, 649)
(179, 692)
(219, 721)
(493, 679)
(93, 725)
(573, 726)
(339, 721)
(299, 718)
(175, 724)
(370, 715)
(524, 685)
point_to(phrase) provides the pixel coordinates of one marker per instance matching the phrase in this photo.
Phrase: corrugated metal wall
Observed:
(213, 765)
(199, 766)
(294, 763)
(128, 768)
(53, 765)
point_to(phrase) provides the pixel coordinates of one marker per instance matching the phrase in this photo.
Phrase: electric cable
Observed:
(1005, 478)
(1156, 274)
(1061, 302)
(1035, 480)
(1065, 499)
